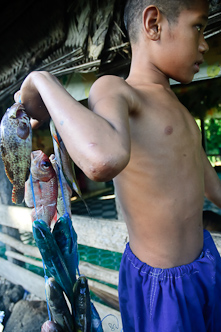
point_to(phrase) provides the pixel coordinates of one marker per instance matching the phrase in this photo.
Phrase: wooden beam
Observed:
(99, 273)
(18, 275)
(23, 258)
(17, 217)
(107, 294)
(36, 285)
(90, 270)
(101, 233)
(97, 285)
(18, 245)
(98, 233)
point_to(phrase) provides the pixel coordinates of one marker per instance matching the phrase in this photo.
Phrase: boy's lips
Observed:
(197, 65)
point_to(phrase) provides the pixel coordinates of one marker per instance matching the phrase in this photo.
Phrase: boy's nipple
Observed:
(168, 130)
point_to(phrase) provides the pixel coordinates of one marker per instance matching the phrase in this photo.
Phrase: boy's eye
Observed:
(199, 27)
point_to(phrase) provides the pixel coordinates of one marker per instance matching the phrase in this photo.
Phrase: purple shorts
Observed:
(186, 298)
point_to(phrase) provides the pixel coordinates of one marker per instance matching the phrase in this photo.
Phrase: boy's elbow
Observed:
(103, 170)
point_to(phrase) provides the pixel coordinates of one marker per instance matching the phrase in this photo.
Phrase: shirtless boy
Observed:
(137, 133)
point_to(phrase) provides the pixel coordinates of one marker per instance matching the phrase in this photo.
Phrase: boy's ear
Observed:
(151, 15)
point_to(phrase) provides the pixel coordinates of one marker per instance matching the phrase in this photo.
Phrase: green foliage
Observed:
(213, 135)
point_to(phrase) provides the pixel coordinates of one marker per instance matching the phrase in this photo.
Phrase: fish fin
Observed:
(8, 171)
(54, 220)
(18, 195)
(29, 201)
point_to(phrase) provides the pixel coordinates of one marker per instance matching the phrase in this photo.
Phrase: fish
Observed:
(58, 305)
(63, 160)
(52, 257)
(50, 326)
(65, 163)
(16, 147)
(96, 324)
(63, 200)
(66, 239)
(43, 181)
(82, 305)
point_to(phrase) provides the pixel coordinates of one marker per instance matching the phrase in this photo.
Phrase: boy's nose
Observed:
(203, 46)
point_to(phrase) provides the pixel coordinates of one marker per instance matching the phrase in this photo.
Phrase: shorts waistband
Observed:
(174, 272)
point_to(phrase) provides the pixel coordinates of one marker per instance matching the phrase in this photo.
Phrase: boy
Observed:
(142, 137)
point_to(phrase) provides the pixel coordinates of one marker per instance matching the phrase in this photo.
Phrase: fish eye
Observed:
(46, 164)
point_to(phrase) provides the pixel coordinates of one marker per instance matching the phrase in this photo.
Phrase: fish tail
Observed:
(18, 194)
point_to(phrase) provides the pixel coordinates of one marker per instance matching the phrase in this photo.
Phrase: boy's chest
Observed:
(163, 127)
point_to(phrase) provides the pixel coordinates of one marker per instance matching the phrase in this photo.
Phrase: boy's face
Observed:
(184, 43)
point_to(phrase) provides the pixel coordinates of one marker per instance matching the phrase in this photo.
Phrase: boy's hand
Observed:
(29, 96)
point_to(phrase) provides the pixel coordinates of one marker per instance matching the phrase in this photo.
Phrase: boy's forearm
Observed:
(91, 141)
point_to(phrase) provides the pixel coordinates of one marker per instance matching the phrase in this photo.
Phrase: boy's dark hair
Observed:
(134, 9)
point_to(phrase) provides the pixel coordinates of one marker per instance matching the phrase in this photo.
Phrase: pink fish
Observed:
(50, 326)
(45, 188)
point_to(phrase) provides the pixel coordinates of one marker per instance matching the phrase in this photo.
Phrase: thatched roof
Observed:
(62, 36)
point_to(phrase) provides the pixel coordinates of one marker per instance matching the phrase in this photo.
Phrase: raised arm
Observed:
(98, 141)
(212, 182)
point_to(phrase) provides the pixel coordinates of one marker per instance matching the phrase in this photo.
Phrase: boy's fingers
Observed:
(17, 96)
(35, 123)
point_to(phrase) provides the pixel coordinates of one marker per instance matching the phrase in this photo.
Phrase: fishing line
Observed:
(113, 327)
(46, 278)
(67, 214)
(33, 195)
(45, 275)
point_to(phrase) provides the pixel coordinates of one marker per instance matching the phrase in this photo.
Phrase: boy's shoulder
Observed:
(109, 86)
(109, 82)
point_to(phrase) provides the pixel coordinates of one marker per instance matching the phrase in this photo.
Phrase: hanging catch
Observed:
(63, 159)
(66, 239)
(52, 257)
(45, 188)
(96, 324)
(58, 305)
(82, 305)
(50, 326)
(64, 200)
(16, 147)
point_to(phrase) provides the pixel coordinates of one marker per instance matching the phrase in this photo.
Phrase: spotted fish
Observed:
(16, 147)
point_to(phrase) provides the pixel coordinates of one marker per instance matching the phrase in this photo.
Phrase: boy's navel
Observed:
(168, 130)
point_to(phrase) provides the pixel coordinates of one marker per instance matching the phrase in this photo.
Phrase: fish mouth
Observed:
(17, 111)
(36, 155)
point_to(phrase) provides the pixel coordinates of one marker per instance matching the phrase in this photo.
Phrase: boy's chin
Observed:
(186, 80)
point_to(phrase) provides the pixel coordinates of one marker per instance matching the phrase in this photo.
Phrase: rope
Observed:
(33, 194)
(45, 275)
(66, 213)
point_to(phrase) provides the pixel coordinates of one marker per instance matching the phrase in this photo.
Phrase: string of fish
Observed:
(60, 257)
